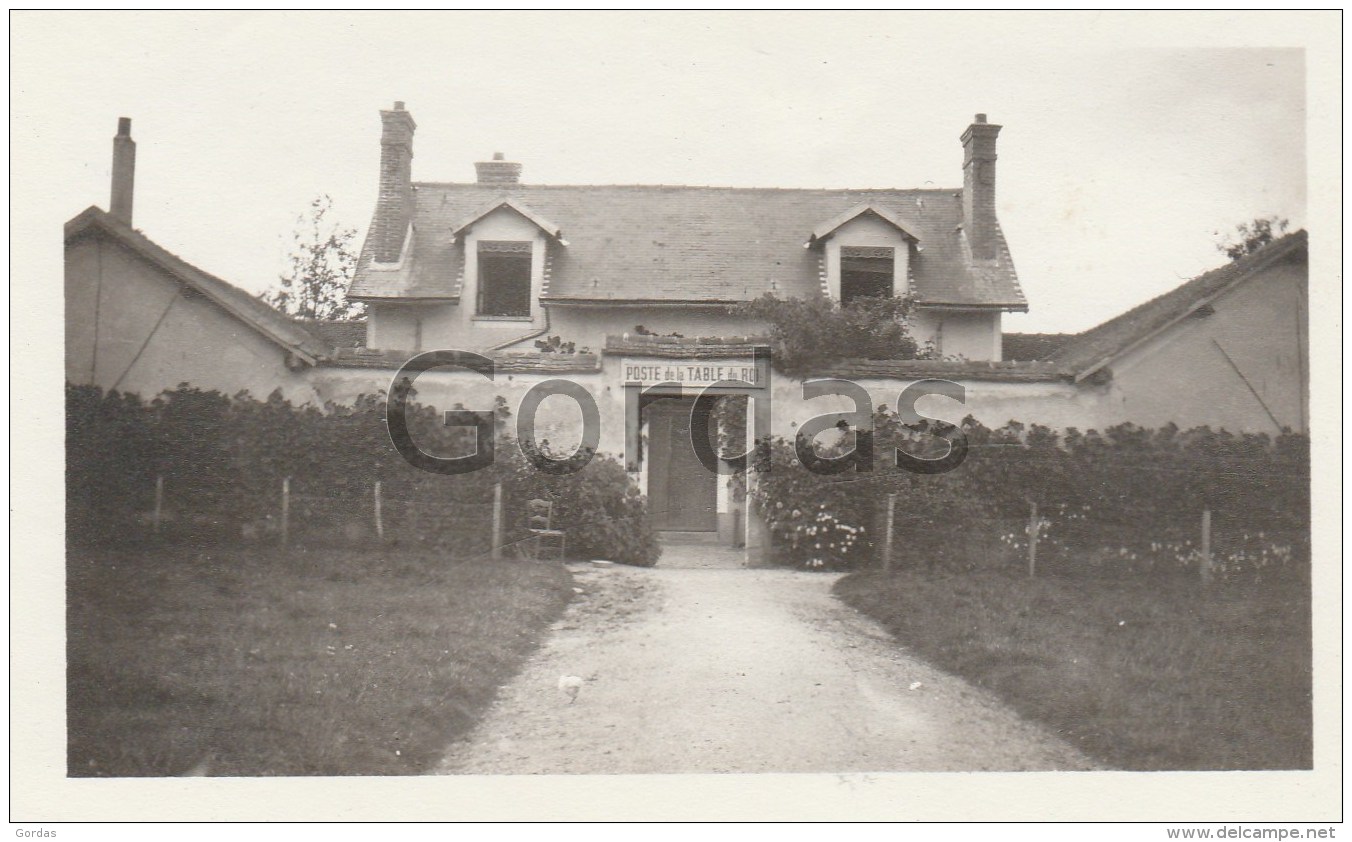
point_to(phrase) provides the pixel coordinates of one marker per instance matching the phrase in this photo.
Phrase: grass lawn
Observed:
(1143, 675)
(299, 662)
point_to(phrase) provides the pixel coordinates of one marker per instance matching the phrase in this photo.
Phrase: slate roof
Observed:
(1098, 346)
(249, 309)
(713, 245)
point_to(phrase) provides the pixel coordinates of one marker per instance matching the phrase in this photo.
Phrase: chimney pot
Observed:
(124, 172)
(398, 105)
(980, 118)
(498, 171)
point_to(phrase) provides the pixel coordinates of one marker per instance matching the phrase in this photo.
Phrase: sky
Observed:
(1131, 143)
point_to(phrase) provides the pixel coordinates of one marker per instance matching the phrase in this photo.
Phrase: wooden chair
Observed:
(540, 524)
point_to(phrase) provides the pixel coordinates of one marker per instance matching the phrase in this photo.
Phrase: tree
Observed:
(1249, 237)
(321, 266)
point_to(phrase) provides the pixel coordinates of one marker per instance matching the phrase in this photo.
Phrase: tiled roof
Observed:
(685, 347)
(276, 326)
(1011, 371)
(337, 334)
(691, 244)
(1032, 346)
(505, 361)
(700, 347)
(1094, 348)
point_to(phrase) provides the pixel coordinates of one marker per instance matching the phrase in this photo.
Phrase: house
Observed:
(1229, 349)
(498, 263)
(140, 319)
(638, 280)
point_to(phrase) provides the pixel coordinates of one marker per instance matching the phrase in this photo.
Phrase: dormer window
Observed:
(866, 253)
(866, 272)
(504, 278)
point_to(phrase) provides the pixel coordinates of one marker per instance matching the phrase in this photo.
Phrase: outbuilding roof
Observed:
(1089, 351)
(289, 333)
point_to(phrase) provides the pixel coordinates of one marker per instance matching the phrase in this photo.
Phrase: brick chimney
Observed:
(124, 171)
(978, 187)
(394, 206)
(498, 171)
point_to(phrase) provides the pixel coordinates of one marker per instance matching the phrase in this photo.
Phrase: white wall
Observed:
(1055, 404)
(131, 326)
(1183, 375)
(969, 334)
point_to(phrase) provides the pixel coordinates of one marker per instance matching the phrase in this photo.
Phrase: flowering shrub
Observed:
(1075, 542)
(814, 520)
(818, 537)
(1127, 501)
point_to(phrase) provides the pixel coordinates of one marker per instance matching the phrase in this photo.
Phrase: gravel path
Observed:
(728, 670)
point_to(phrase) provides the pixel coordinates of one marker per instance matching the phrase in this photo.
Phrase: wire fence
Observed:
(461, 528)
(1069, 539)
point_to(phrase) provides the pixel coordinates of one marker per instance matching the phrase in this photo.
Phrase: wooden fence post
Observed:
(1206, 547)
(496, 551)
(1033, 525)
(286, 510)
(380, 520)
(156, 518)
(887, 535)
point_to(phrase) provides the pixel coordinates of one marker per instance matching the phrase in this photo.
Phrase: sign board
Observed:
(691, 373)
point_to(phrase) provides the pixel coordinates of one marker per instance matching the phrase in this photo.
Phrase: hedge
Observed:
(222, 461)
(1127, 500)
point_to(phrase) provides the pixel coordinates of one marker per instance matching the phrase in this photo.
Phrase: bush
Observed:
(599, 506)
(809, 334)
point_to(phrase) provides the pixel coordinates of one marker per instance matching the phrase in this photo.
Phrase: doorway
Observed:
(682, 493)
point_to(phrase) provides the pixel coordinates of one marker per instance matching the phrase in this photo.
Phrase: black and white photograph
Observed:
(537, 415)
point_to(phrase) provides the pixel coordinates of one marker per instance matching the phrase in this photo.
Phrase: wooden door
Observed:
(682, 493)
